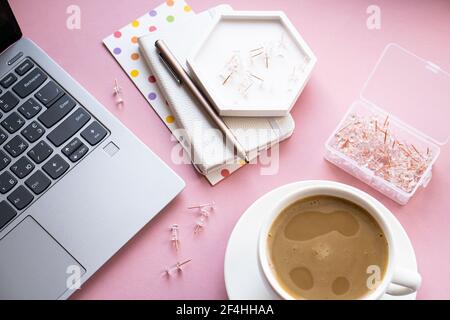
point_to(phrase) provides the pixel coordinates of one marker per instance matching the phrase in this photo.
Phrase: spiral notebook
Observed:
(169, 20)
(200, 135)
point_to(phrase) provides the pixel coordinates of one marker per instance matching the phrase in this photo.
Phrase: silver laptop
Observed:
(75, 184)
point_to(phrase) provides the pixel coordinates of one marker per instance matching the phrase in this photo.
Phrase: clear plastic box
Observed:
(411, 95)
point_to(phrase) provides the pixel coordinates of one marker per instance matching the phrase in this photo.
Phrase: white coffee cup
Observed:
(396, 281)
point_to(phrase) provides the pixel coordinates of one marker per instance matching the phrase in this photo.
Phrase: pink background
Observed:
(346, 52)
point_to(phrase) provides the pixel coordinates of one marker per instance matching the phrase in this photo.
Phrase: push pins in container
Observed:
(245, 85)
(204, 210)
(177, 268)
(118, 94)
(174, 229)
(231, 67)
(268, 52)
(281, 46)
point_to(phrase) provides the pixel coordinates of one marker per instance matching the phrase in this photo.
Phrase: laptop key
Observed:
(22, 167)
(4, 160)
(40, 152)
(30, 108)
(13, 122)
(8, 101)
(24, 67)
(20, 197)
(30, 82)
(7, 182)
(49, 93)
(56, 167)
(7, 213)
(33, 131)
(16, 146)
(79, 153)
(94, 133)
(57, 111)
(8, 81)
(71, 147)
(69, 127)
(38, 182)
(3, 136)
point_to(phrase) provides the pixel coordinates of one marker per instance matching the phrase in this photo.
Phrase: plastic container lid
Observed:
(413, 90)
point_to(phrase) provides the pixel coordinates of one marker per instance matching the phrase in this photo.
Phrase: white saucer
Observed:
(243, 279)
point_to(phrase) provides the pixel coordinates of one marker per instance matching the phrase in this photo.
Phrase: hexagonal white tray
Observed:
(252, 63)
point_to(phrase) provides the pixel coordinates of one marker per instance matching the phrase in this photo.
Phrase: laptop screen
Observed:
(9, 29)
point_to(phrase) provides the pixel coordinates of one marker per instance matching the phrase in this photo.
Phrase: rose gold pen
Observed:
(183, 78)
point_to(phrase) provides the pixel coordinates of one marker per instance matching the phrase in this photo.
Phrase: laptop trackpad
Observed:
(33, 265)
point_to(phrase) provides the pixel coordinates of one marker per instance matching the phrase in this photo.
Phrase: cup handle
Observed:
(407, 282)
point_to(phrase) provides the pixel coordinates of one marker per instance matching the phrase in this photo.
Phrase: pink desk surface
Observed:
(346, 52)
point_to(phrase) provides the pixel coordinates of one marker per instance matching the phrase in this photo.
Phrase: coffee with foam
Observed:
(325, 247)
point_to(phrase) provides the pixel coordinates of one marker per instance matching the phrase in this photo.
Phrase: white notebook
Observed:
(199, 134)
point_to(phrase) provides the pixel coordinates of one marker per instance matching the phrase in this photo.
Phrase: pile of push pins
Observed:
(241, 64)
(370, 142)
(204, 211)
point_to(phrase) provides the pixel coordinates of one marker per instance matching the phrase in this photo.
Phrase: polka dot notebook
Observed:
(123, 45)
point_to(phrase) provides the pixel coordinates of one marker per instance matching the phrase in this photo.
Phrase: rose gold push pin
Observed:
(205, 210)
(256, 52)
(200, 223)
(180, 264)
(245, 85)
(256, 77)
(204, 205)
(174, 229)
(118, 93)
(168, 271)
(231, 67)
(268, 51)
(227, 78)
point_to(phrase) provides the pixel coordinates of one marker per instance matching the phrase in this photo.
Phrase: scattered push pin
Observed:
(209, 205)
(118, 93)
(200, 223)
(177, 268)
(204, 210)
(174, 229)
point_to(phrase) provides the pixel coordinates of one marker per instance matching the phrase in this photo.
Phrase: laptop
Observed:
(75, 184)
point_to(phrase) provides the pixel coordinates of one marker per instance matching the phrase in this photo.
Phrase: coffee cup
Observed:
(396, 279)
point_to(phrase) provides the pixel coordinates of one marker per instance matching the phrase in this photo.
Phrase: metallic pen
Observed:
(183, 78)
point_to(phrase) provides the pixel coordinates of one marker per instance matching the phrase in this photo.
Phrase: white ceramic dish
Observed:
(243, 278)
(273, 64)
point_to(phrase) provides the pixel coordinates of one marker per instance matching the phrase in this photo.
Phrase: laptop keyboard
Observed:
(44, 133)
